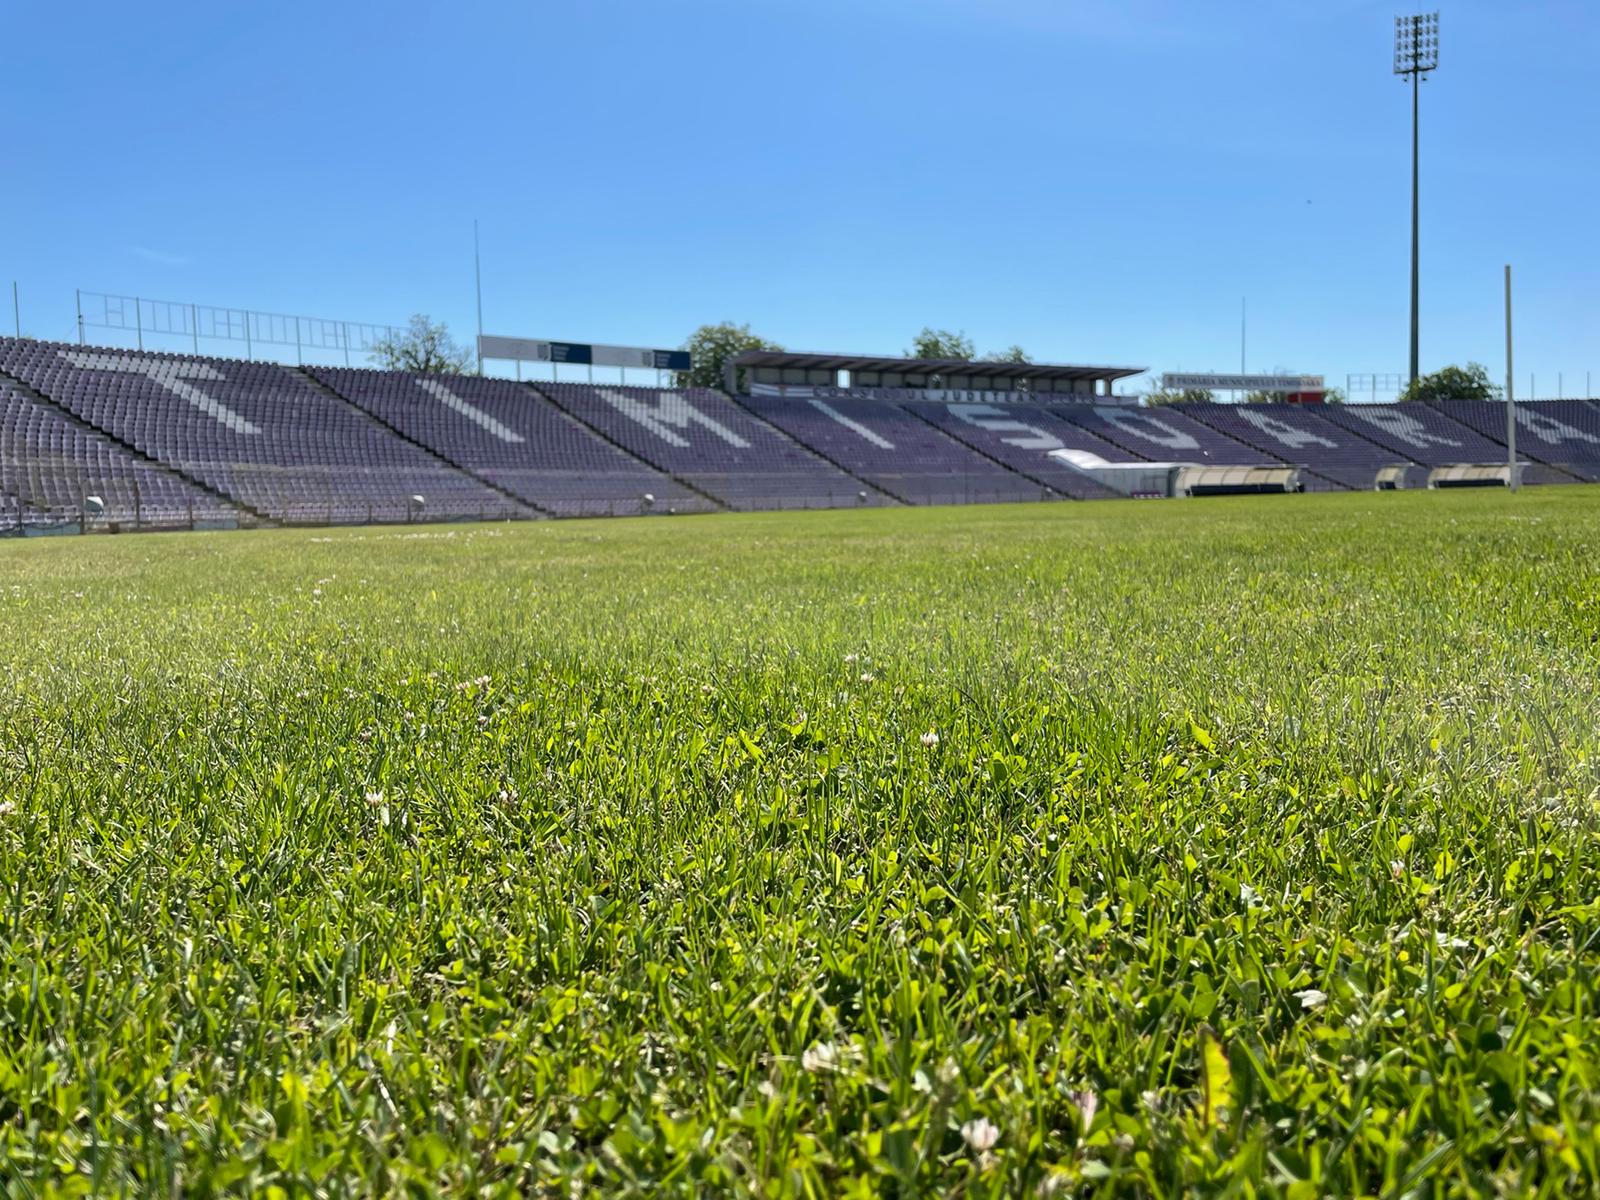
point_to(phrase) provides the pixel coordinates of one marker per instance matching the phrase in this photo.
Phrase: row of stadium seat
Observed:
(49, 466)
(257, 433)
(164, 438)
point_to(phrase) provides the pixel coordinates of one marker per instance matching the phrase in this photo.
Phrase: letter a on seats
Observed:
(1282, 432)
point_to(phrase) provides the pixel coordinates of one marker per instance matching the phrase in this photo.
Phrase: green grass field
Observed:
(1129, 849)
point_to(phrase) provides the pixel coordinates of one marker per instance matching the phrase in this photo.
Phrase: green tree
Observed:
(941, 343)
(1157, 397)
(1011, 354)
(711, 346)
(424, 347)
(1453, 383)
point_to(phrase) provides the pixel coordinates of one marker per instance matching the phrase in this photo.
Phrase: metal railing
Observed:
(45, 494)
(174, 319)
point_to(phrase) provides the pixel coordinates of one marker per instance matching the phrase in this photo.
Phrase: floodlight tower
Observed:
(1416, 52)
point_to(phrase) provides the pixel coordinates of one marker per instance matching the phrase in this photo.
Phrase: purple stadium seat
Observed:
(1163, 435)
(898, 452)
(704, 439)
(263, 435)
(1021, 437)
(1560, 433)
(510, 436)
(1300, 434)
(1427, 436)
(49, 465)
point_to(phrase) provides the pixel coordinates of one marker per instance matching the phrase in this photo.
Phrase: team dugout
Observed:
(773, 372)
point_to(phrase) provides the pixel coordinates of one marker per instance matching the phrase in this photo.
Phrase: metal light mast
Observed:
(1416, 52)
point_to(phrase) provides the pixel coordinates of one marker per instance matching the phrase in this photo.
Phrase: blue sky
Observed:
(1098, 180)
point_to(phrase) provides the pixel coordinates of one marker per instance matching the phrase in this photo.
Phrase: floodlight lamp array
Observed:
(1416, 44)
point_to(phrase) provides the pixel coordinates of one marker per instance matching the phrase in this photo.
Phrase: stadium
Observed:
(109, 440)
(672, 765)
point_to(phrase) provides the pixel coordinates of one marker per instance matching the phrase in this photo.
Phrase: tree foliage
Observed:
(424, 347)
(941, 343)
(711, 346)
(1453, 383)
(1157, 397)
(1011, 354)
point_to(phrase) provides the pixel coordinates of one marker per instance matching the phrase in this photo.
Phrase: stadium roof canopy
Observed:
(944, 367)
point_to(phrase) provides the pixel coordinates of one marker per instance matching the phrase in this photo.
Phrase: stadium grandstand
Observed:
(114, 439)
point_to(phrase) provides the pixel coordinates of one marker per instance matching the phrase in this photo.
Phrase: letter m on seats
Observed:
(669, 415)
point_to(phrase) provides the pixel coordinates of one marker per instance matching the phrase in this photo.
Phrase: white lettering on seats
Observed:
(476, 415)
(671, 412)
(1403, 426)
(171, 377)
(1282, 432)
(987, 416)
(1151, 429)
(855, 427)
(1551, 431)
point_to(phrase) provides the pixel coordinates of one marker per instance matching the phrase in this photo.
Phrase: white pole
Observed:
(1511, 409)
(477, 273)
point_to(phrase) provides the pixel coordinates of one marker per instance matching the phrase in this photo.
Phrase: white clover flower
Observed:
(824, 1056)
(949, 1071)
(1312, 998)
(1087, 1104)
(868, 677)
(930, 738)
(766, 1089)
(981, 1134)
(374, 798)
(7, 807)
(849, 658)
